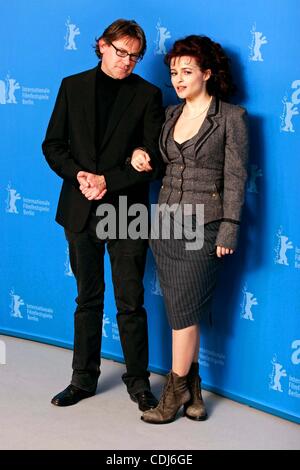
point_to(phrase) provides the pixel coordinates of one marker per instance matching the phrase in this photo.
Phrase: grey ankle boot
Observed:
(195, 408)
(175, 394)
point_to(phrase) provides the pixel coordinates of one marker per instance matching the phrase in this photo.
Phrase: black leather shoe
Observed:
(70, 396)
(145, 399)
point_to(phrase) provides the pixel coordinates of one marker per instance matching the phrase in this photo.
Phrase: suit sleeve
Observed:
(235, 177)
(123, 177)
(56, 144)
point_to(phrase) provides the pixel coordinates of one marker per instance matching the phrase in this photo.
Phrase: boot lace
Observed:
(166, 388)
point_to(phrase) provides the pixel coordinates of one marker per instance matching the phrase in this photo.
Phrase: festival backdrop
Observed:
(251, 353)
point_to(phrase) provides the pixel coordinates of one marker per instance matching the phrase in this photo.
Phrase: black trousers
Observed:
(128, 258)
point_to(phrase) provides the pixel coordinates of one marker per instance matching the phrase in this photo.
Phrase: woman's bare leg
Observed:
(185, 349)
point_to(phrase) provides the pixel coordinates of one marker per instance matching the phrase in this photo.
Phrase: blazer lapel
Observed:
(123, 99)
(167, 128)
(210, 123)
(89, 95)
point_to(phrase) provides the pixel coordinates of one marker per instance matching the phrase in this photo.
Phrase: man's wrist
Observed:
(102, 182)
(140, 148)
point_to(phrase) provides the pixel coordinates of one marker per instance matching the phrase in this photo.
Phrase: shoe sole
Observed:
(64, 405)
(196, 418)
(158, 422)
(67, 404)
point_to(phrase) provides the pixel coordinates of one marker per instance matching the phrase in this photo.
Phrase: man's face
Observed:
(113, 65)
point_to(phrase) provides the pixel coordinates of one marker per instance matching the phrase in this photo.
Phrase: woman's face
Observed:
(187, 78)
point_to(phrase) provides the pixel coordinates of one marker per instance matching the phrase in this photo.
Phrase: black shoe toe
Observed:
(145, 400)
(70, 396)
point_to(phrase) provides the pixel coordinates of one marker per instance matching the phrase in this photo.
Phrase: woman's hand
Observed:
(222, 251)
(140, 160)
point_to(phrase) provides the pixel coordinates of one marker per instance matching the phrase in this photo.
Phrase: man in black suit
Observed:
(102, 117)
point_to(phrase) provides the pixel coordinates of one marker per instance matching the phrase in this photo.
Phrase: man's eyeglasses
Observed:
(122, 53)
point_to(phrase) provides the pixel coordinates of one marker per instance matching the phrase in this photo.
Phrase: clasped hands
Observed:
(140, 161)
(92, 186)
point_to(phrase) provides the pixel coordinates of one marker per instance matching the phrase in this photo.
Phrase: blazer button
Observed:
(214, 195)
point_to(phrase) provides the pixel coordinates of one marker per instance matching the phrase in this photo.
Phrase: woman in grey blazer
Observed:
(204, 145)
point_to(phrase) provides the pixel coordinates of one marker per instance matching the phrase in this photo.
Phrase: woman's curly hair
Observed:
(209, 55)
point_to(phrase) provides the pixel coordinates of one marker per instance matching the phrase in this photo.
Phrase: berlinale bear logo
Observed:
(7, 90)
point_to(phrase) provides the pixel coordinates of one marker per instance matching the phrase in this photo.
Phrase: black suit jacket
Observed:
(69, 145)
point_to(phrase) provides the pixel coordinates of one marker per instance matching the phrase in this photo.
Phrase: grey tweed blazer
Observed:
(213, 170)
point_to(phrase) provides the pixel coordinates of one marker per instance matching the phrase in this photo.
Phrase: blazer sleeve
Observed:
(235, 177)
(122, 177)
(56, 144)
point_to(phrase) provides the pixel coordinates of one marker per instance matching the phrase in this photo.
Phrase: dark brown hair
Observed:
(119, 29)
(209, 55)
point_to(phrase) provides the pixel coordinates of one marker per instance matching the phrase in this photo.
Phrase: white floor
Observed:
(35, 372)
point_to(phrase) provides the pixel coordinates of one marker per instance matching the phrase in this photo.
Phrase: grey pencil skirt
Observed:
(187, 278)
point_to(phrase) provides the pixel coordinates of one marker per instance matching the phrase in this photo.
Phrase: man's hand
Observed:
(222, 251)
(93, 187)
(140, 160)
